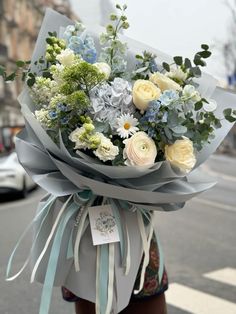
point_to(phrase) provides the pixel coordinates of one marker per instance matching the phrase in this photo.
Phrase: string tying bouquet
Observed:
(115, 131)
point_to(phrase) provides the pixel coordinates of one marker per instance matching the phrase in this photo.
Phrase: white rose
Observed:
(178, 74)
(164, 82)
(181, 154)
(143, 92)
(106, 150)
(103, 68)
(140, 150)
(66, 57)
(190, 92)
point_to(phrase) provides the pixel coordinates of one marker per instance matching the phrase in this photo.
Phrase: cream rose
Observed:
(143, 92)
(181, 154)
(104, 68)
(140, 150)
(164, 82)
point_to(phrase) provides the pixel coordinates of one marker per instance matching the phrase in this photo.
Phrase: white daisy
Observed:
(127, 125)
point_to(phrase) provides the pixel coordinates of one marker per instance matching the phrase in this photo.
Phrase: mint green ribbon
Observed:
(53, 259)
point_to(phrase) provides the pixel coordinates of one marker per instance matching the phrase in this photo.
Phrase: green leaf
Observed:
(178, 60)
(205, 47)
(166, 66)
(46, 74)
(230, 119)
(205, 54)
(179, 129)
(20, 63)
(140, 70)
(139, 57)
(227, 112)
(11, 77)
(187, 63)
(118, 7)
(2, 71)
(198, 61)
(196, 71)
(198, 105)
(31, 81)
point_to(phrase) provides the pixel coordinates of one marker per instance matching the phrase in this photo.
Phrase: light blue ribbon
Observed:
(53, 259)
(103, 277)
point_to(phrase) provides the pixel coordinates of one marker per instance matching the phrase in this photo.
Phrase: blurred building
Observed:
(20, 21)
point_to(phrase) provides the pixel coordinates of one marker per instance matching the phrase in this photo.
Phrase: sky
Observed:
(177, 27)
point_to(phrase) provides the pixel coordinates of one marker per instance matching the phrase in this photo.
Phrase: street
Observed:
(198, 242)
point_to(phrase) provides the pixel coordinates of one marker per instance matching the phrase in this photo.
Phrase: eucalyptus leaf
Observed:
(178, 60)
(166, 66)
(179, 129)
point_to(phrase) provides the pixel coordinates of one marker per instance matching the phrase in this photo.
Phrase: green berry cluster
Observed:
(54, 47)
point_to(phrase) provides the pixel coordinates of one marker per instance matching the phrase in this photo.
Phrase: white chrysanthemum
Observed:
(178, 74)
(66, 57)
(106, 150)
(127, 125)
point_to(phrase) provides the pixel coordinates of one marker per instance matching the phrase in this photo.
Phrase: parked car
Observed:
(13, 177)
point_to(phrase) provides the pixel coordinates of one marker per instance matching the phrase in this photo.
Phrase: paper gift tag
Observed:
(103, 225)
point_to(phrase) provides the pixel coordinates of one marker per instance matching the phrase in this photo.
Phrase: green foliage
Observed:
(78, 100)
(144, 65)
(113, 47)
(84, 76)
(230, 115)
(192, 68)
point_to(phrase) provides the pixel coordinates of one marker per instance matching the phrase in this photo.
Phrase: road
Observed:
(198, 242)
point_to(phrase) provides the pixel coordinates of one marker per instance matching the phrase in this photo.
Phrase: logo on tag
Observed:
(103, 225)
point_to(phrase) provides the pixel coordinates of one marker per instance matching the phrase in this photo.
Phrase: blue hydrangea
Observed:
(153, 66)
(168, 97)
(64, 120)
(84, 47)
(62, 107)
(152, 111)
(52, 114)
(89, 55)
(76, 44)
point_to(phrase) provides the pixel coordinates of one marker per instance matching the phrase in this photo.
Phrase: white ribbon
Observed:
(146, 247)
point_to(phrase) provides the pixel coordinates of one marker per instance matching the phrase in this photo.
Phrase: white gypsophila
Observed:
(66, 57)
(177, 73)
(75, 136)
(108, 102)
(127, 125)
(43, 90)
(42, 116)
(106, 150)
(55, 100)
(190, 93)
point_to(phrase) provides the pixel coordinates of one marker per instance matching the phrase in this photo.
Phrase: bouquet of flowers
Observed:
(111, 126)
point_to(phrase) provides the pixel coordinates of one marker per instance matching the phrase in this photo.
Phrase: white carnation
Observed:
(106, 150)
